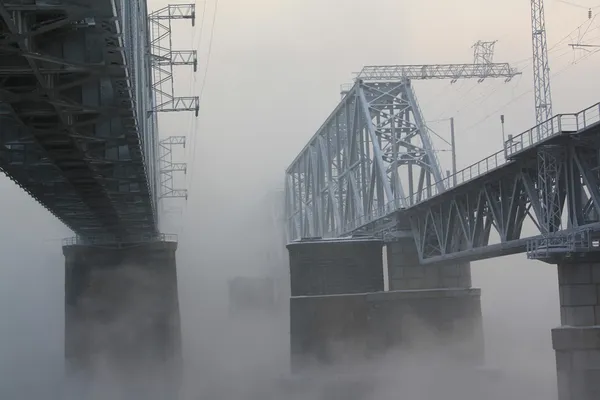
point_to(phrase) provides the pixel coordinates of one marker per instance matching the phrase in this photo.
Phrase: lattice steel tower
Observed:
(541, 69)
(549, 156)
(165, 58)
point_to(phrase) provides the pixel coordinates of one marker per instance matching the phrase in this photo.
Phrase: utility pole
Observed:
(541, 69)
(453, 144)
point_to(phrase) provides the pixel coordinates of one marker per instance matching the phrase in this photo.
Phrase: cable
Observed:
(200, 96)
(558, 73)
(576, 5)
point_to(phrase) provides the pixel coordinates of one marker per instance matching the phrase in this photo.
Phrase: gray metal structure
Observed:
(437, 71)
(78, 111)
(452, 219)
(165, 58)
(541, 68)
(483, 52)
(76, 130)
(168, 168)
(373, 152)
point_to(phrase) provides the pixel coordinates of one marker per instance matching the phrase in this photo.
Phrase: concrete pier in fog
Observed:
(339, 311)
(122, 316)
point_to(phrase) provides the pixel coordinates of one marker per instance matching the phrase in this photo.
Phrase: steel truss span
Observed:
(559, 200)
(374, 149)
(76, 130)
(347, 181)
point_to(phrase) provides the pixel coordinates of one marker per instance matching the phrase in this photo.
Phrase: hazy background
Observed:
(274, 71)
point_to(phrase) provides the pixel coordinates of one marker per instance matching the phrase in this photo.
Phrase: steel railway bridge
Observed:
(81, 84)
(370, 176)
(371, 170)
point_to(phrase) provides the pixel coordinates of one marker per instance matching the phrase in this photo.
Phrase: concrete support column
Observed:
(405, 272)
(339, 312)
(444, 287)
(325, 267)
(577, 341)
(122, 326)
(322, 317)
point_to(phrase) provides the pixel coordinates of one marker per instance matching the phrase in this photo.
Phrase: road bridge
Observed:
(371, 171)
(81, 86)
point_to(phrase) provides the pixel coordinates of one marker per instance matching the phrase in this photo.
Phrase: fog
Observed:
(272, 77)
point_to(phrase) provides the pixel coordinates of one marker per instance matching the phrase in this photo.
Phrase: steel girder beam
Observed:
(373, 155)
(71, 91)
(175, 11)
(439, 71)
(458, 223)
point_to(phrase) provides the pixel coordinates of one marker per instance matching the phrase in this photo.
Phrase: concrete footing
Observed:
(122, 315)
(339, 312)
(577, 341)
(342, 329)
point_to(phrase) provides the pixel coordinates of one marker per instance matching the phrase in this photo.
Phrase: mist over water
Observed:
(247, 356)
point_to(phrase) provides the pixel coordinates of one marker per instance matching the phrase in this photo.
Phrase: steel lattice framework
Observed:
(439, 71)
(373, 154)
(541, 68)
(168, 168)
(354, 164)
(457, 224)
(165, 58)
(75, 93)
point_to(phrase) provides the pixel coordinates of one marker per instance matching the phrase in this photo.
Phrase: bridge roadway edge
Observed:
(122, 315)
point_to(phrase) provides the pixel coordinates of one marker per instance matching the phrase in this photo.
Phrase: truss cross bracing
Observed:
(165, 58)
(74, 93)
(168, 168)
(483, 52)
(438, 71)
(545, 187)
(552, 182)
(371, 151)
(373, 155)
(541, 68)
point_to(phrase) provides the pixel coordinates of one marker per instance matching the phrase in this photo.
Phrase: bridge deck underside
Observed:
(69, 119)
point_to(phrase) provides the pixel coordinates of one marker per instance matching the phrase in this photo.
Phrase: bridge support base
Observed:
(405, 272)
(340, 315)
(323, 267)
(122, 320)
(439, 286)
(577, 341)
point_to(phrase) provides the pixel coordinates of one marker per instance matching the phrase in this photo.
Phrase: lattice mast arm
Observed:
(438, 71)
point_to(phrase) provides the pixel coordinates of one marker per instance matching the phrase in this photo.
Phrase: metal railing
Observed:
(109, 240)
(559, 124)
(544, 247)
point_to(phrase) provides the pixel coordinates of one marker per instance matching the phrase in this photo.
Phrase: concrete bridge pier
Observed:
(122, 329)
(577, 341)
(448, 310)
(339, 312)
